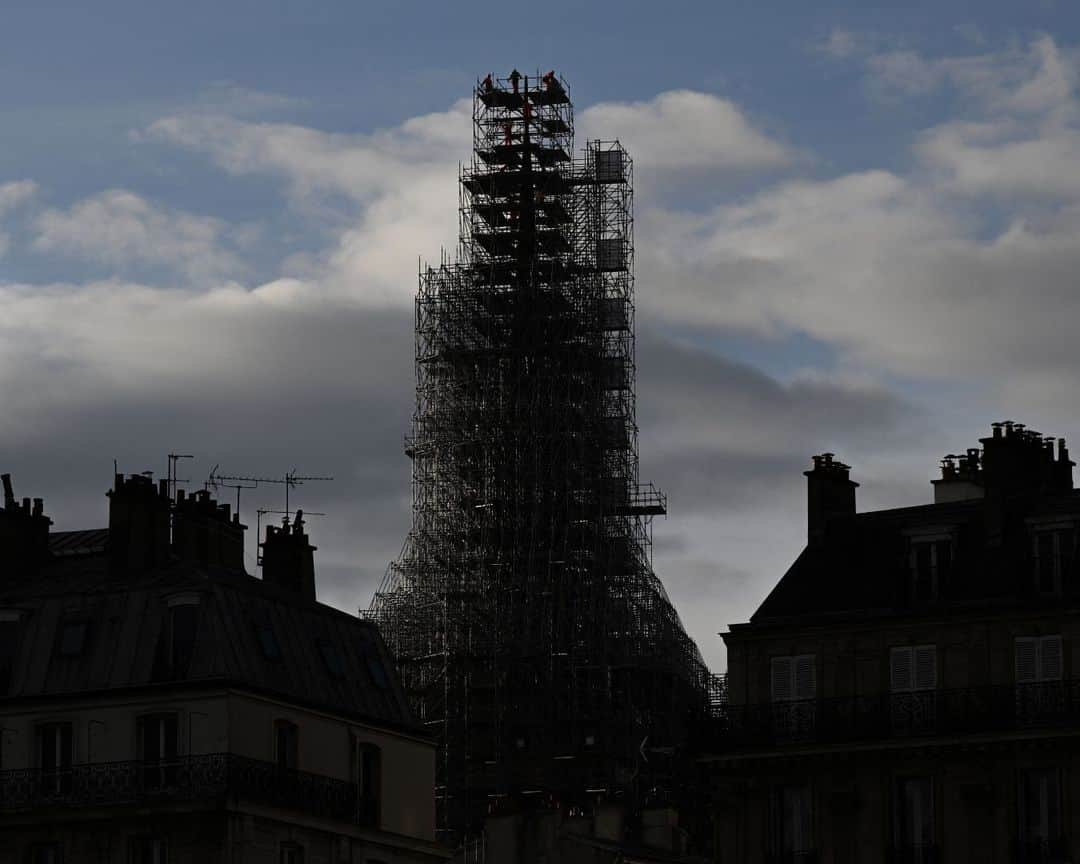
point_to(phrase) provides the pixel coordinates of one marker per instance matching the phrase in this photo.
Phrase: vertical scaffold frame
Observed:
(530, 631)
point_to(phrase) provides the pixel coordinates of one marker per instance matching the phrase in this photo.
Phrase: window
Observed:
(914, 817)
(9, 643)
(791, 823)
(1039, 805)
(331, 659)
(794, 688)
(46, 853)
(183, 623)
(149, 850)
(72, 638)
(913, 668)
(913, 687)
(1038, 659)
(157, 750)
(367, 770)
(271, 650)
(292, 853)
(794, 678)
(53, 745)
(1040, 691)
(931, 561)
(286, 745)
(378, 673)
(1053, 559)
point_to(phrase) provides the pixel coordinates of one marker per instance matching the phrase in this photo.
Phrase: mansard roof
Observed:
(325, 659)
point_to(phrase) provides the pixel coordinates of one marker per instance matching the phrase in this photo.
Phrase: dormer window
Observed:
(183, 621)
(73, 638)
(9, 643)
(268, 642)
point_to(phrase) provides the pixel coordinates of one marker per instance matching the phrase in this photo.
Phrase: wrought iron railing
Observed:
(916, 853)
(1043, 851)
(1048, 705)
(208, 778)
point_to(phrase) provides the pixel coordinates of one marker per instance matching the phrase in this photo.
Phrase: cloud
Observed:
(841, 44)
(954, 275)
(1034, 78)
(13, 195)
(685, 131)
(710, 423)
(121, 229)
(232, 376)
(961, 268)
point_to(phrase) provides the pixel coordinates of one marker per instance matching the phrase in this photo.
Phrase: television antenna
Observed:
(290, 480)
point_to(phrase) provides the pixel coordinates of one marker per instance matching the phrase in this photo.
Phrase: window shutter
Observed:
(781, 679)
(1050, 665)
(1026, 662)
(805, 680)
(900, 670)
(925, 667)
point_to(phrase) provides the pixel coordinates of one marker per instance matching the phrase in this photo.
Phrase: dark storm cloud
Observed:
(721, 435)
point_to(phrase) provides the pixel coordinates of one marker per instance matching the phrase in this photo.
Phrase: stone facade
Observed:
(161, 706)
(909, 691)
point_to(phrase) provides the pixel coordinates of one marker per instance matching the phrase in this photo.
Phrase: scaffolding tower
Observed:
(531, 633)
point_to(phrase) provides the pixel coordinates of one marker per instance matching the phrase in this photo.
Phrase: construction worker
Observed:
(488, 84)
(515, 77)
(549, 80)
(508, 133)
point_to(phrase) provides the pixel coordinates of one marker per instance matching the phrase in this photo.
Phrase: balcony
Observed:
(1043, 851)
(918, 853)
(206, 779)
(1044, 706)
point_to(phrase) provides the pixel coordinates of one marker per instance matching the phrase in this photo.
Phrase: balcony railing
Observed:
(1044, 851)
(1048, 705)
(209, 779)
(918, 853)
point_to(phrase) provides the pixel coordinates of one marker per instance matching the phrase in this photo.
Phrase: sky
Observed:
(857, 231)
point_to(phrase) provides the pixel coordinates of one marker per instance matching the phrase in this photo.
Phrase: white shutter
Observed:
(900, 670)
(781, 679)
(1027, 669)
(1050, 665)
(925, 667)
(805, 679)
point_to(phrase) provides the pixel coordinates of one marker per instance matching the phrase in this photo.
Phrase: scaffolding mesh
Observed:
(530, 630)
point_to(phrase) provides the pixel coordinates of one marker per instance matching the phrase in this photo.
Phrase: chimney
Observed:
(24, 536)
(287, 558)
(206, 532)
(830, 493)
(961, 478)
(1019, 461)
(138, 523)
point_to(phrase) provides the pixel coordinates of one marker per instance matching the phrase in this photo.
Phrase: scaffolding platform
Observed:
(529, 628)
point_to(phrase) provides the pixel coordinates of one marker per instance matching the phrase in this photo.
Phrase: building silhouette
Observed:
(162, 706)
(531, 633)
(907, 692)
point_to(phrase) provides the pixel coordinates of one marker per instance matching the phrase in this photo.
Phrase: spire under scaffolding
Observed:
(531, 632)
